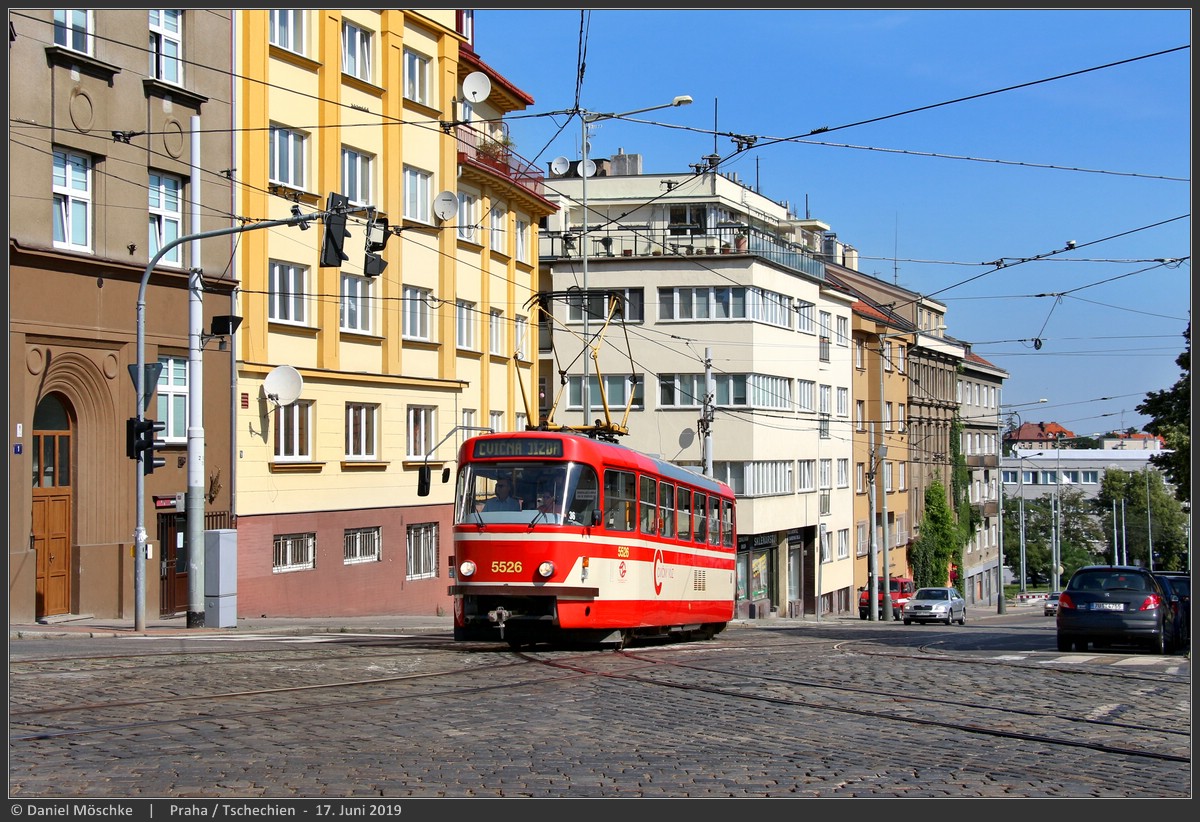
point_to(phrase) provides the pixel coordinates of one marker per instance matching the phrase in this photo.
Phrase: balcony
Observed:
(497, 158)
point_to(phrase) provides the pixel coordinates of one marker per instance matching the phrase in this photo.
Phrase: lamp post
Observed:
(586, 118)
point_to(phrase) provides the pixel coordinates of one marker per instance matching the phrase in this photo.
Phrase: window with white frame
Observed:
(417, 184)
(362, 545)
(887, 416)
(73, 29)
(294, 552)
(887, 475)
(616, 391)
(721, 303)
(521, 240)
(842, 337)
(496, 329)
(886, 351)
(804, 316)
(843, 472)
(681, 390)
(631, 308)
(421, 552)
(901, 425)
(843, 543)
(416, 313)
(422, 431)
(899, 354)
(1091, 477)
(522, 336)
(825, 395)
(356, 303)
(496, 420)
(465, 324)
(172, 398)
(356, 51)
(416, 77)
(356, 176)
(522, 422)
(72, 183)
(287, 29)
(166, 217)
(468, 216)
(806, 477)
(861, 539)
(823, 539)
(468, 419)
(287, 301)
(497, 224)
(858, 353)
(166, 45)
(287, 159)
(825, 478)
(806, 391)
(843, 401)
(860, 415)
(860, 477)
(293, 432)
(902, 475)
(361, 436)
(756, 479)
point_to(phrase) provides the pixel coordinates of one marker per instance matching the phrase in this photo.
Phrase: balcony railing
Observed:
(497, 156)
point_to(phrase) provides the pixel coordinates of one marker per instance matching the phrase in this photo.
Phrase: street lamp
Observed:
(585, 119)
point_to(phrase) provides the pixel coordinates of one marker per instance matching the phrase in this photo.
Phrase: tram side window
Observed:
(620, 496)
(685, 513)
(727, 523)
(700, 521)
(648, 506)
(714, 525)
(666, 508)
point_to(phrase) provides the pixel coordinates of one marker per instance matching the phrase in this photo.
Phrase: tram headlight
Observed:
(546, 569)
(466, 568)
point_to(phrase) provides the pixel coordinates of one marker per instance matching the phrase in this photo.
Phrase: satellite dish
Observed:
(560, 166)
(589, 169)
(445, 205)
(476, 86)
(283, 385)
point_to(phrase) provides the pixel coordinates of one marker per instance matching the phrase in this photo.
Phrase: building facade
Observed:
(389, 372)
(979, 397)
(730, 353)
(116, 151)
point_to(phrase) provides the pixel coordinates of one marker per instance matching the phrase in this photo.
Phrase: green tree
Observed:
(1080, 543)
(1170, 417)
(931, 553)
(1123, 500)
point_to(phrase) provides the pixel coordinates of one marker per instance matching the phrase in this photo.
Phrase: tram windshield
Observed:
(526, 491)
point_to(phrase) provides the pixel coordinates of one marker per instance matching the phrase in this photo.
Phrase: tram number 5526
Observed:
(506, 566)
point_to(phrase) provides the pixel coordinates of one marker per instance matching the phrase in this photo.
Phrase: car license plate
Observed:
(1108, 606)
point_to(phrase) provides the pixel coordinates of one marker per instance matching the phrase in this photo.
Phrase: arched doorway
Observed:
(50, 530)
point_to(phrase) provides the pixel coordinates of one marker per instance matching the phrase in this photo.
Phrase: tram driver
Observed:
(503, 500)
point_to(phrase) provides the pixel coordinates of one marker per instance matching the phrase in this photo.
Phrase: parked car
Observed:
(1050, 607)
(936, 605)
(898, 588)
(1178, 587)
(1115, 605)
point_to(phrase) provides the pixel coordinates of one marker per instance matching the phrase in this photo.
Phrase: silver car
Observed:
(1050, 606)
(936, 605)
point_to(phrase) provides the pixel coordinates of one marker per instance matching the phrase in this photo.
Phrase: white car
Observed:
(936, 605)
(1050, 606)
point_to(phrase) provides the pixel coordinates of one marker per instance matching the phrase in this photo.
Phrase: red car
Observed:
(901, 590)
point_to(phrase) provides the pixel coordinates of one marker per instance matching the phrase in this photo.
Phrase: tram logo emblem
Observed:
(621, 569)
(660, 571)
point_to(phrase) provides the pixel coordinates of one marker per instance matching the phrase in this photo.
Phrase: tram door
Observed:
(50, 529)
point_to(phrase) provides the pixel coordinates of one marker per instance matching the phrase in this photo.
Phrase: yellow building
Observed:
(348, 383)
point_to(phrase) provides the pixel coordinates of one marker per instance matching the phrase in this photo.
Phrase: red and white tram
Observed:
(564, 537)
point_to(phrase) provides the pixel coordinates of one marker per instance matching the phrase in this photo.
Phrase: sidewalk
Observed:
(84, 625)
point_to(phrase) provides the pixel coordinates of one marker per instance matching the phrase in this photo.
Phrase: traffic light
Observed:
(377, 237)
(140, 439)
(335, 231)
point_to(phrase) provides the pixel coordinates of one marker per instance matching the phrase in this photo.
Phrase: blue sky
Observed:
(1101, 158)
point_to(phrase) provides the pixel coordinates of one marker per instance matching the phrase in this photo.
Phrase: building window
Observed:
(416, 77)
(843, 472)
(356, 52)
(166, 45)
(287, 157)
(498, 223)
(356, 303)
(902, 475)
(294, 552)
(496, 420)
(630, 308)
(293, 432)
(166, 217)
(362, 545)
(858, 354)
(887, 475)
(806, 479)
(843, 402)
(899, 351)
(416, 313)
(422, 551)
(616, 392)
(823, 349)
(73, 29)
(465, 325)
(804, 316)
(496, 331)
(861, 541)
(522, 334)
(287, 29)
(172, 397)
(361, 439)
(521, 238)
(843, 543)
(901, 426)
(356, 176)
(1091, 477)
(72, 201)
(860, 477)
(887, 416)
(417, 184)
(468, 419)
(522, 422)
(468, 216)
(843, 331)
(465, 24)
(860, 415)
(287, 301)
(422, 431)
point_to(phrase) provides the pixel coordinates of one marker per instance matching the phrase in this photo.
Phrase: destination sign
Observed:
(517, 447)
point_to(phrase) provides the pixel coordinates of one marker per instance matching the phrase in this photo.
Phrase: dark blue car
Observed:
(1115, 605)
